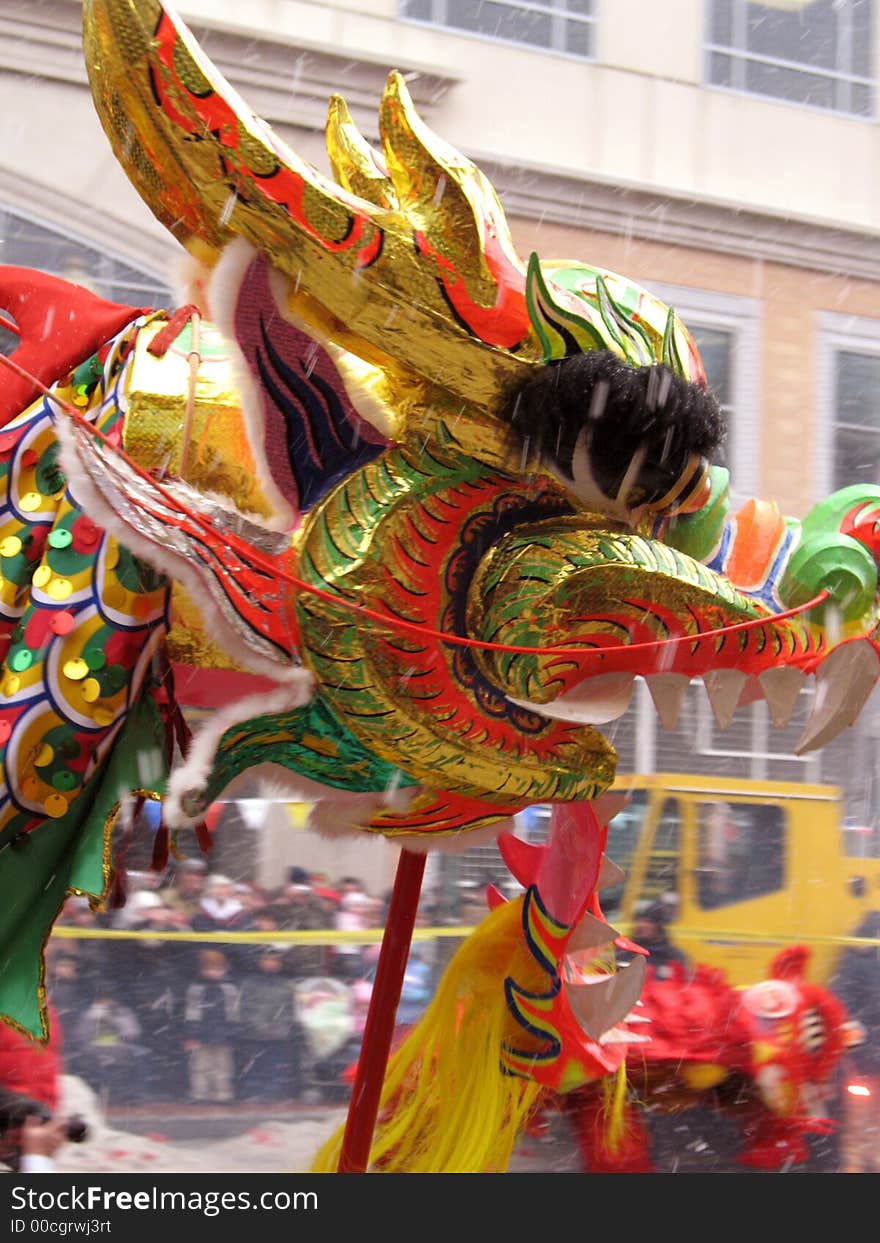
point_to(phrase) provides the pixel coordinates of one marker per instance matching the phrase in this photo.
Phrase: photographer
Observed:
(29, 1135)
(30, 1074)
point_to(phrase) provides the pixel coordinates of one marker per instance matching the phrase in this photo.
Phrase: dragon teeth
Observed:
(781, 688)
(602, 1003)
(620, 1035)
(844, 682)
(723, 687)
(609, 874)
(595, 701)
(668, 691)
(589, 934)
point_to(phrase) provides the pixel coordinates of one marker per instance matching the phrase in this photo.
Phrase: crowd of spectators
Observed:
(157, 1018)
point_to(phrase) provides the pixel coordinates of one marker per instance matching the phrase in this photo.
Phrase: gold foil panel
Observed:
(188, 642)
(218, 457)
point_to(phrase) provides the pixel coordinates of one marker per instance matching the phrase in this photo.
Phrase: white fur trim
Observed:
(341, 815)
(344, 815)
(190, 278)
(193, 773)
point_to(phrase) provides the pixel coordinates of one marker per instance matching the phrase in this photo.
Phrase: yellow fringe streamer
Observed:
(614, 1092)
(446, 1106)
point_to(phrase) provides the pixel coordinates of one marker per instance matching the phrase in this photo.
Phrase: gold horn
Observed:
(356, 165)
(430, 290)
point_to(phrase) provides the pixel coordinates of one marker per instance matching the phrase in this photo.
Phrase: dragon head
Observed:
(500, 468)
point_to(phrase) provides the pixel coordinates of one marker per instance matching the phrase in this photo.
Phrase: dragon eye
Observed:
(671, 491)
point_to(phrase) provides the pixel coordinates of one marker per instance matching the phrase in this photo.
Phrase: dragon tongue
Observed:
(595, 701)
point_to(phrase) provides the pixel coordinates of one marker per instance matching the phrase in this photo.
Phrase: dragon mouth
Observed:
(841, 685)
(603, 608)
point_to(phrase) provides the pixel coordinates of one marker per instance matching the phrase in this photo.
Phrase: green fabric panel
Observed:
(311, 741)
(63, 855)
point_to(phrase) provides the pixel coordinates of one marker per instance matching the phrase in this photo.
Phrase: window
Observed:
(661, 866)
(740, 852)
(716, 346)
(848, 400)
(857, 418)
(555, 25)
(815, 52)
(29, 244)
(726, 330)
(624, 832)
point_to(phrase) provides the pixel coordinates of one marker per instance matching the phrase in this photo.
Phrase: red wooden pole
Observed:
(379, 1028)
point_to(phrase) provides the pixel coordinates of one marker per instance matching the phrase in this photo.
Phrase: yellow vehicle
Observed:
(748, 867)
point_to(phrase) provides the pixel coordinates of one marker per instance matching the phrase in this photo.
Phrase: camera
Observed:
(15, 1107)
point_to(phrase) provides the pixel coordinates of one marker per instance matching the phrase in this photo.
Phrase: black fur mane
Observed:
(626, 409)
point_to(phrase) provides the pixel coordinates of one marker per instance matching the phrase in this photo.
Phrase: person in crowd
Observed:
(28, 1145)
(92, 954)
(140, 891)
(211, 1027)
(348, 885)
(472, 905)
(418, 985)
(151, 977)
(31, 1132)
(187, 887)
(220, 907)
(270, 1045)
(856, 982)
(304, 911)
(70, 996)
(357, 912)
(320, 883)
(650, 932)
(271, 917)
(254, 898)
(112, 1055)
